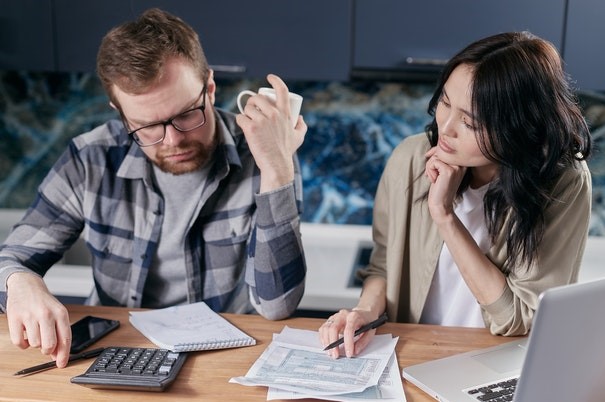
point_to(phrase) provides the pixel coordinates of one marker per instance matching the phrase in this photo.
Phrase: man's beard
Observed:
(202, 155)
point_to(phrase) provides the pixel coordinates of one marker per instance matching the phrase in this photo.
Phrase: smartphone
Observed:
(88, 330)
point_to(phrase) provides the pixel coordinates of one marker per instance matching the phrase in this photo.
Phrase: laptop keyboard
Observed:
(145, 369)
(501, 391)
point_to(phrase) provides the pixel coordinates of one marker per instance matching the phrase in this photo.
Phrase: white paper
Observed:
(389, 388)
(295, 362)
(189, 327)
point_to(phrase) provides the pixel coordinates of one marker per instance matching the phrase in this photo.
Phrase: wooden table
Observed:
(205, 375)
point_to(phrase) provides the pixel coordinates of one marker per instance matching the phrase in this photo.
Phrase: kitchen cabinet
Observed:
(297, 39)
(309, 39)
(584, 51)
(26, 42)
(421, 35)
(79, 28)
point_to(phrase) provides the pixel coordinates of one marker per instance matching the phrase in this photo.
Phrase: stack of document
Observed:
(295, 366)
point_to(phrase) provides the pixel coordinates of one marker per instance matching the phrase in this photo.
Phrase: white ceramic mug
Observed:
(295, 101)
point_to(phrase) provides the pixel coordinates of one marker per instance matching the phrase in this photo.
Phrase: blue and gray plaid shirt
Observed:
(243, 252)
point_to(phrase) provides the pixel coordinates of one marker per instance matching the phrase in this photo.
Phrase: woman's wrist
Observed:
(366, 310)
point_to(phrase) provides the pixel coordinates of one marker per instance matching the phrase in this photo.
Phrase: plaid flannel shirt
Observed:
(244, 250)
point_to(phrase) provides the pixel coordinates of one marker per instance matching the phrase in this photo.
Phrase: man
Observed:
(175, 202)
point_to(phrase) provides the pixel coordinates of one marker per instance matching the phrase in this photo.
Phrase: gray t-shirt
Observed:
(166, 283)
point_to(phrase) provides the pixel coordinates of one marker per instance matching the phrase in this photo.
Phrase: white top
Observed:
(450, 302)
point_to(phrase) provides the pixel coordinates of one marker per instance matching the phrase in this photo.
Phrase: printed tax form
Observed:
(295, 366)
(388, 389)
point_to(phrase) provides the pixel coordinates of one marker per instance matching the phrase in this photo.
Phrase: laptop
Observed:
(563, 359)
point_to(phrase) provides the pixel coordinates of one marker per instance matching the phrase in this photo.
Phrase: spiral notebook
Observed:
(188, 328)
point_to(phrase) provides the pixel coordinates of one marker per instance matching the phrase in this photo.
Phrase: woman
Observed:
(473, 223)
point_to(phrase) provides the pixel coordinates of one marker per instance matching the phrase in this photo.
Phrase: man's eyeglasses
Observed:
(155, 133)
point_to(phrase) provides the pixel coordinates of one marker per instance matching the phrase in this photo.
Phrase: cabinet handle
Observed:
(225, 68)
(425, 61)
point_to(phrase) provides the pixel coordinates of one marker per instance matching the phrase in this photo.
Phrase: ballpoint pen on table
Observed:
(49, 365)
(374, 324)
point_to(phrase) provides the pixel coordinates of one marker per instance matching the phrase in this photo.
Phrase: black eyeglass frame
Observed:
(170, 121)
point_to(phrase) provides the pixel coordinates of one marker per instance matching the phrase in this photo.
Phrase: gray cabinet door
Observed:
(80, 26)
(297, 39)
(418, 34)
(26, 41)
(584, 51)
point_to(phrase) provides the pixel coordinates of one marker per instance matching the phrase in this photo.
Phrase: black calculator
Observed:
(143, 369)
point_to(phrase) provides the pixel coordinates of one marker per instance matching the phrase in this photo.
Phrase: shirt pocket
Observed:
(225, 242)
(113, 266)
(109, 247)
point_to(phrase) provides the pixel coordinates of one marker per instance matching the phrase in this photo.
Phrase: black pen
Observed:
(48, 365)
(374, 324)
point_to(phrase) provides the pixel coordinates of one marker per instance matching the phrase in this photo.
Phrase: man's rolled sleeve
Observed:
(278, 274)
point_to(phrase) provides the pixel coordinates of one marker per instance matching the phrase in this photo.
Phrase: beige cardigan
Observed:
(407, 243)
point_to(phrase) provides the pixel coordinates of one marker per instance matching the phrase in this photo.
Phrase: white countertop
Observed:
(330, 252)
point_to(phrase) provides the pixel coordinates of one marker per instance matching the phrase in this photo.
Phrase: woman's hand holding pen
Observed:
(344, 324)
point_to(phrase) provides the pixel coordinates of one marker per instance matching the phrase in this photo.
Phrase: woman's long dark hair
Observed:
(528, 122)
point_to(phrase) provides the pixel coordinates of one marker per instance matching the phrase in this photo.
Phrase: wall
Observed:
(353, 128)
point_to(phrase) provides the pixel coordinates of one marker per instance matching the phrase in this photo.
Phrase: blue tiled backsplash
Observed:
(353, 128)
